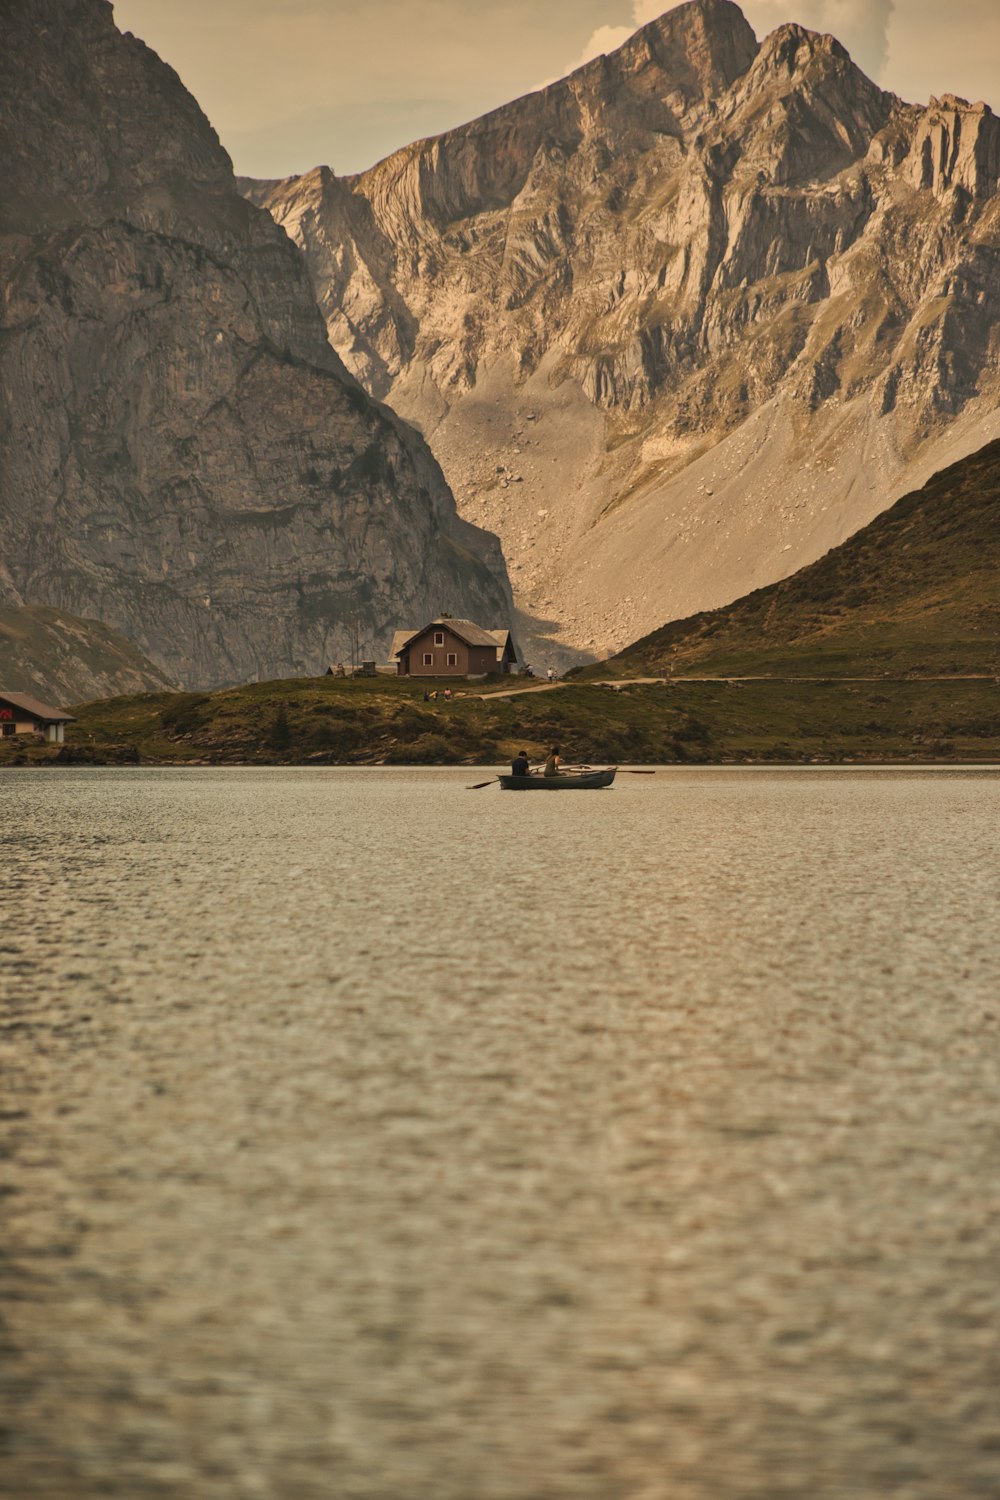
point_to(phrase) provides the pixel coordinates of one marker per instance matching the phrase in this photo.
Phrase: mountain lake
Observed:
(373, 1138)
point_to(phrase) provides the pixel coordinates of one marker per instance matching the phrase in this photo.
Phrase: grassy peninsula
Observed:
(385, 721)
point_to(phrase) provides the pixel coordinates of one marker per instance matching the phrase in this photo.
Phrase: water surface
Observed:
(374, 1139)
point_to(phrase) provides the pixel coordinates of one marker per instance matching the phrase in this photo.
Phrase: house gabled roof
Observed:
(466, 630)
(399, 640)
(503, 639)
(36, 709)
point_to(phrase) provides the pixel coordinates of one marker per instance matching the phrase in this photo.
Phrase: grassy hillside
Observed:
(916, 592)
(61, 658)
(385, 721)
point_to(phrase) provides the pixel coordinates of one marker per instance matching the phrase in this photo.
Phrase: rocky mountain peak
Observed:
(679, 322)
(98, 145)
(657, 84)
(794, 48)
(686, 57)
(803, 110)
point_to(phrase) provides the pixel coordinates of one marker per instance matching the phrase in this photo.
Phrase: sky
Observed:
(290, 84)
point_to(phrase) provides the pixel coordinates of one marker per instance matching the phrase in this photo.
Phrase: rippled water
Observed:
(368, 1138)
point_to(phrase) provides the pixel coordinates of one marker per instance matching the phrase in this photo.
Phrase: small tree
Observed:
(279, 736)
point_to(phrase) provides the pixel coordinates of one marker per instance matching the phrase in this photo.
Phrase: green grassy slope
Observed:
(385, 721)
(915, 592)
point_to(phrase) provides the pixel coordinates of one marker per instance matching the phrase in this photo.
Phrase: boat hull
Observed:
(581, 781)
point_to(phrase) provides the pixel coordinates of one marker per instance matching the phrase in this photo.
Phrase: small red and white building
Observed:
(21, 714)
(452, 648)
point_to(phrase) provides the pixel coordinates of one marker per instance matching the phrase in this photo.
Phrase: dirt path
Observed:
(623, 682)
(536, 687)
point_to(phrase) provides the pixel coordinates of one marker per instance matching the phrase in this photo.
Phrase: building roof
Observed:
(399, 640)
(466, 630)
(35, 709)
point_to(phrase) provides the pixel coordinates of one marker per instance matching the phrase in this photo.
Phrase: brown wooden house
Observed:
(452, 648)
(20, 714)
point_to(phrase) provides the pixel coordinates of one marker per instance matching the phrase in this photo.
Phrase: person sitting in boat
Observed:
(552, 763)
(520, 765)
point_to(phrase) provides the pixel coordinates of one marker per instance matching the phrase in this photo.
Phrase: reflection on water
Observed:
(372, 1139)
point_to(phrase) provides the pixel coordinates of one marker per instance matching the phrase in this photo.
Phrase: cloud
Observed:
(862, 26)
(604, 39)
(609, 38)
(648, 10)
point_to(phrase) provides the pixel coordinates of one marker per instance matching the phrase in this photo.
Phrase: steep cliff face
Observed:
(680, 322)
(184, 456)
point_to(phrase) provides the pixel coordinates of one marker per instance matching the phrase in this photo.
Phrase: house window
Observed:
(428, 659)
(452, 659)
(439, 637)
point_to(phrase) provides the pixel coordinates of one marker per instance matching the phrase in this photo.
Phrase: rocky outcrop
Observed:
(185, 457)
(955, 146)
(717, 302)
(62, 659)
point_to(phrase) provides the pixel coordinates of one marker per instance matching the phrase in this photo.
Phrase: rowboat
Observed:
(564, 782)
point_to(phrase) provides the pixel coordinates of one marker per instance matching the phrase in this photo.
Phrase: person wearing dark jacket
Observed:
(520, 765)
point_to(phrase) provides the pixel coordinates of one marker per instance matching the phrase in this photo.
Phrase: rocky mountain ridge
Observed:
(679, 323)
(184, 456)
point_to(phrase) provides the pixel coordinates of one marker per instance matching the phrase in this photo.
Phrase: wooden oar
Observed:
(480, 784)
(622, 770)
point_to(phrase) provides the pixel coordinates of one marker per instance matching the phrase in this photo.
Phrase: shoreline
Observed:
(330, 722)
(841, 763)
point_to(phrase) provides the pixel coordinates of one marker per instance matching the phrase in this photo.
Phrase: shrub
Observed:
(185, 713)
(338, 736)
(410, 723)
(279, 736)
(428, 750)
(695, 730)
